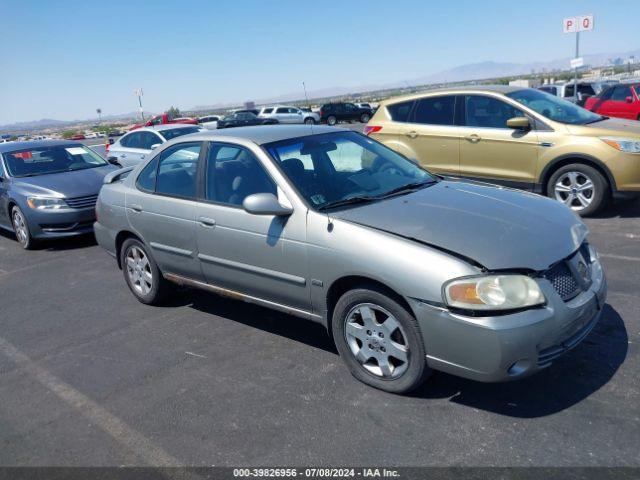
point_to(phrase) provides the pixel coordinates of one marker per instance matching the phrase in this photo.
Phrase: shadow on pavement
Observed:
(621, 209)
(571, 379)
(57, 244)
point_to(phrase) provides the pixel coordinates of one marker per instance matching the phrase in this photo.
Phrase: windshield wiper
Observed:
(409, 187)
(602, 117)
(347, 201)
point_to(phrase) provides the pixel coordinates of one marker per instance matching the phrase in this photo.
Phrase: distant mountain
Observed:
(473, 71)
(45, 123)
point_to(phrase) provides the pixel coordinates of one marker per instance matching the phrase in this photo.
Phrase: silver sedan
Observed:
(408, 271)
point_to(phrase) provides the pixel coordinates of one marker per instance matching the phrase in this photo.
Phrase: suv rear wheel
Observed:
(580, 187)
(379, 340)
(365, 117)
(332, 120)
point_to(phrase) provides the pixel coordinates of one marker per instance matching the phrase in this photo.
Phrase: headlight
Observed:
(627, 145)
(493, 292)
(46, 203)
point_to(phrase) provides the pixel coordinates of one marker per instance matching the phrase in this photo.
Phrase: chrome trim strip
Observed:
(169, 249)
(285, 277)
(241, 296)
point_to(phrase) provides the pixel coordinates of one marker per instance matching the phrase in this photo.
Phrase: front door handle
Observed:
(412, 134)
(473, 138)
(207, 222)
(135, 207)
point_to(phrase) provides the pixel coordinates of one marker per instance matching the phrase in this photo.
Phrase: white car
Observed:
(132, 148)
(209, 122)
(287, 114)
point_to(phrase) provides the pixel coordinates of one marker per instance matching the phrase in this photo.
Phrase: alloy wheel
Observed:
(20, 227)
(139, 271)
(575, 189)
(377, 341)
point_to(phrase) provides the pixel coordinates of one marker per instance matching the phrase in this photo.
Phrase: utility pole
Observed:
(139, 94)
(305, 93)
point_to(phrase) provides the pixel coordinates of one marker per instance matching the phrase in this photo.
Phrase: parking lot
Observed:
(89, 376)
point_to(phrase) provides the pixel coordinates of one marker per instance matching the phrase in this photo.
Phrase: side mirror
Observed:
(628, 100)
(519, 123)
(113, 161)
(155, 145)
(265, 204)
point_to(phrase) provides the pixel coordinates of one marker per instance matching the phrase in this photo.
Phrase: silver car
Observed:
(408, 271)
(133, 147)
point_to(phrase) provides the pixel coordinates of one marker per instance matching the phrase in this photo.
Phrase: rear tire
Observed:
(331, 120)
(365, 117)
(580, 187)
(21, 229)
(142, 274)
(383, 349)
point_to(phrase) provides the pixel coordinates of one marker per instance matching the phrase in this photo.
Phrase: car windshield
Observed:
(177, 132)
(554, 108)
(334, 169)
(30, 162)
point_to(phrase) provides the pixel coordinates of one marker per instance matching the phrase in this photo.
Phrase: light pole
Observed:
(139, 94)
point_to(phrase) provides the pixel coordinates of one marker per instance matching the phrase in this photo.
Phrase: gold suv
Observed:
(517, 137)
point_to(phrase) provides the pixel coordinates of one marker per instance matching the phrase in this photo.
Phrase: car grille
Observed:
(562, 280)
(82, 202)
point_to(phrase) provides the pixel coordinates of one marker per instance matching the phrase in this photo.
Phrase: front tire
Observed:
(21, 229)
(309, 121)
(580, 187)
(142, 274)
(379, 340)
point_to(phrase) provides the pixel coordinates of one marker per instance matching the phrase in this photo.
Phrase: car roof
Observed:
(264, 133)
(456, 90)
(12, 146)
(166, 126)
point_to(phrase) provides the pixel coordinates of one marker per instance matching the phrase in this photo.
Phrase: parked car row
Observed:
(410, 269)
(620, 101)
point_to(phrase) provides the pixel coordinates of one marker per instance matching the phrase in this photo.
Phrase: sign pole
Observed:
(575, 71)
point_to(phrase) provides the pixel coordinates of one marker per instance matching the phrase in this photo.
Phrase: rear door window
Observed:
(399, 112)
(133, 140)
(435, 110)
(177, 171)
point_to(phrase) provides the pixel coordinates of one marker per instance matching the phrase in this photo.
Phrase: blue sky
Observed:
(62, 59)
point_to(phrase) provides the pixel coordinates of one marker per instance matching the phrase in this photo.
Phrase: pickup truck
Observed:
(164, 119)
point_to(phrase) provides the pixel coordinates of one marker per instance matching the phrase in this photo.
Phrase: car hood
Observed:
(612, 126)
(498, 228)
(78, 183)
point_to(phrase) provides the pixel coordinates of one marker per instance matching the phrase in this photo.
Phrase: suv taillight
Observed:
(369, 129)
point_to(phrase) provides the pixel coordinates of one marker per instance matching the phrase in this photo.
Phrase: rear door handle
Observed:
(207, 222)
(124, 155)
(412, 134)
(473, 138)
(136, 208)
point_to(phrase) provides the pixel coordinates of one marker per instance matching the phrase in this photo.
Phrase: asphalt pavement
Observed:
(90, 376)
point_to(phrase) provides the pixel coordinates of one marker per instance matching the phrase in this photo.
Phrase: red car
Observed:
(164, 119)
(621, 101)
